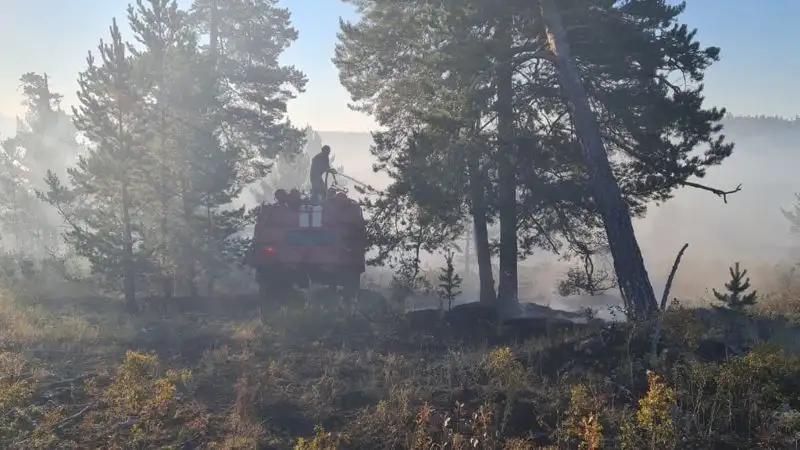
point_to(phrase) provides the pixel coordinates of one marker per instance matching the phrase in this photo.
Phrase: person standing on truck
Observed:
(320, 165)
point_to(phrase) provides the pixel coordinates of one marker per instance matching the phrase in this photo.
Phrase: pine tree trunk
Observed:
(481, 233)
(507, 185)
(211, 269)
(213, 21)
(188, 272)
(167, 278)
(128, 268)
(634, 283)
(468, 237)
(214, 41)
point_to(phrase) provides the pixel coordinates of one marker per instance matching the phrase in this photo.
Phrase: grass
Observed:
(236, 374)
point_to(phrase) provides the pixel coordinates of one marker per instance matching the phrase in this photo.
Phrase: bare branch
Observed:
(718, 192)
(671, 277)
(715, 191)
(540, 228)
(69, 420)
(659, 322)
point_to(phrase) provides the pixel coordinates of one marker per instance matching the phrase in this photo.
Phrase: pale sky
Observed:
(759, 56)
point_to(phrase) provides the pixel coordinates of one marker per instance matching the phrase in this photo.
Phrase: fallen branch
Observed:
(66, 382)
(715, 191)
(78, 415)
(664, 297)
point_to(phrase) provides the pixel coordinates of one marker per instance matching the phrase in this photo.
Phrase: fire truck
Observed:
(298, 241)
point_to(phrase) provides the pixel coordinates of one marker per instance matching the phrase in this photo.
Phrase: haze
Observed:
(754, 78)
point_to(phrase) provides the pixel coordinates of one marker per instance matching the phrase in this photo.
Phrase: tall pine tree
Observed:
(164, 57)
(100, 204)
(248, 90)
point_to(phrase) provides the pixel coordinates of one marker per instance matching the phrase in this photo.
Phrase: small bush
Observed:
(322, 440)
(581, 423)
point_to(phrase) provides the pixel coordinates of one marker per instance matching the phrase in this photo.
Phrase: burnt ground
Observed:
(236, 373)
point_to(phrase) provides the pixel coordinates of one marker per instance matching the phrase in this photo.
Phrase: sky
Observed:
(759, 57)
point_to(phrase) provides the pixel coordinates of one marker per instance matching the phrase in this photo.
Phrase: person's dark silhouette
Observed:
(320, 165)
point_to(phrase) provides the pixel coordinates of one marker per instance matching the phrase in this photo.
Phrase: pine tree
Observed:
(199, 164)
(46, 131)
(17, 194)
(737, 297)
(45, 140)
(449, 287)
(164, 57)
(418, 67)
(247, 39)
(100, 204)
(793, 215)
(250, 90)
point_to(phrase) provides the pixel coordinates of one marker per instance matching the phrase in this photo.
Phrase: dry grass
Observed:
(26, 323)
(321, 375)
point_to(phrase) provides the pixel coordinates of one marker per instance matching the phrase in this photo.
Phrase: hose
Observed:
(365, 185)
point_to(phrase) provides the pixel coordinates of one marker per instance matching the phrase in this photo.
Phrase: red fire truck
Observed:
(297, 241)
